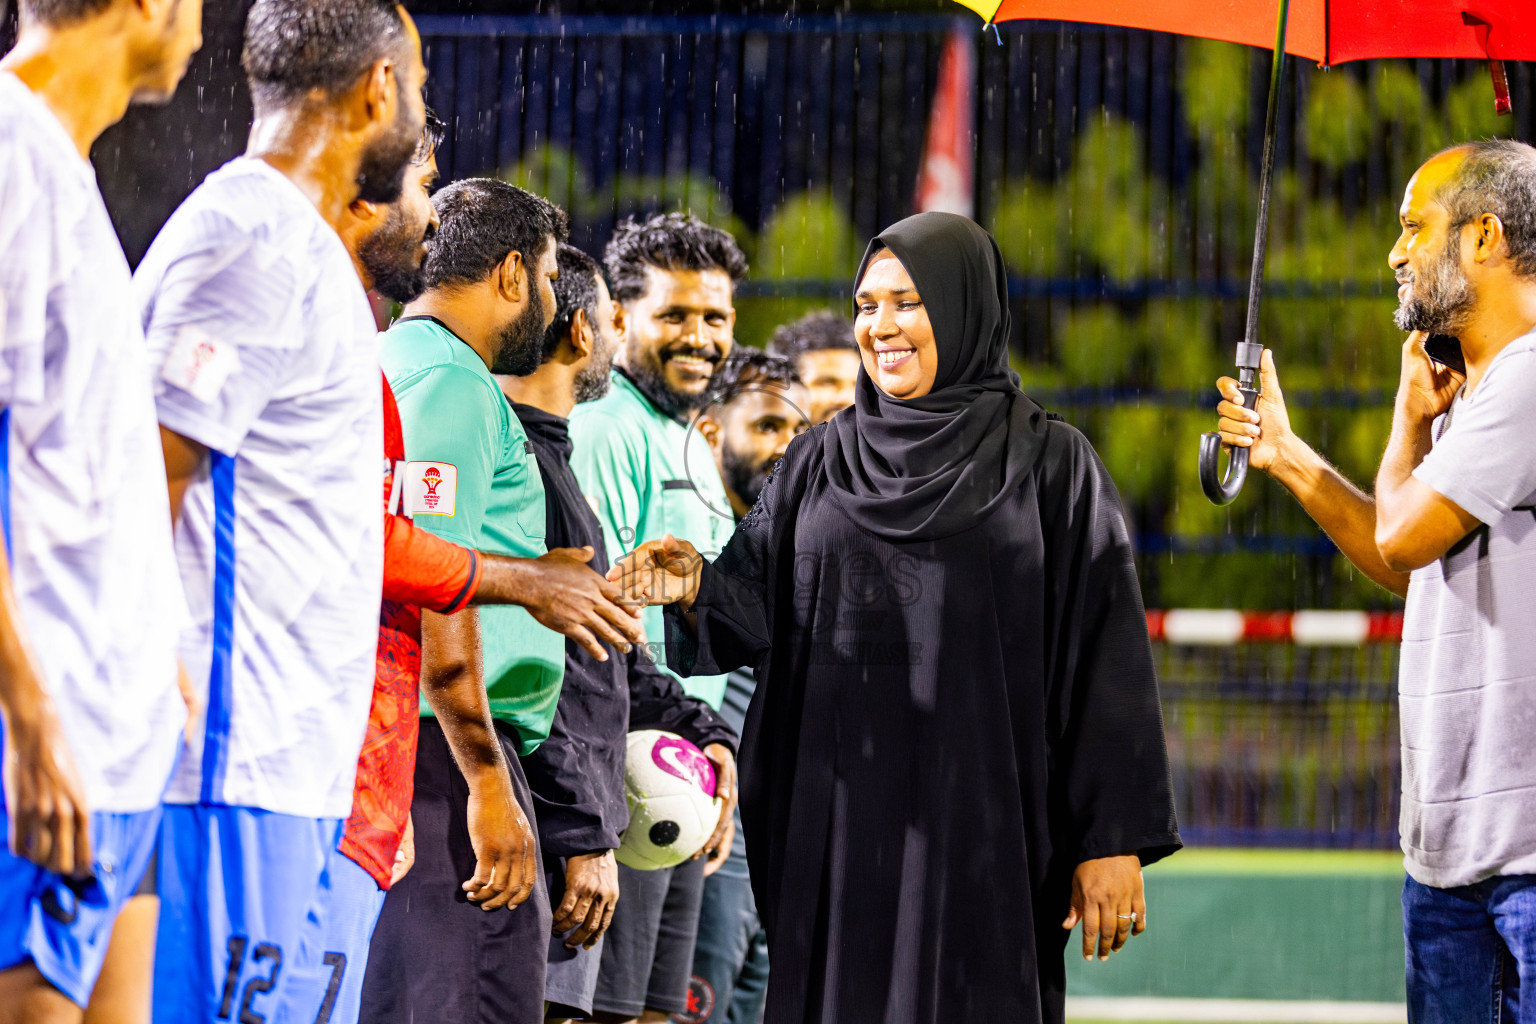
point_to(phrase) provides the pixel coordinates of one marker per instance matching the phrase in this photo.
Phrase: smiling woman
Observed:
(955, 753)
(893, 330)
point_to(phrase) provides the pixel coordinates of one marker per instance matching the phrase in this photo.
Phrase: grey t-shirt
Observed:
(1467, 681)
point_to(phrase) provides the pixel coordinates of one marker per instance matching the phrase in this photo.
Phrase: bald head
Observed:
(1497, 177)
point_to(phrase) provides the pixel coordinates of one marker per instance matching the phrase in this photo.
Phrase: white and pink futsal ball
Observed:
(670, 787)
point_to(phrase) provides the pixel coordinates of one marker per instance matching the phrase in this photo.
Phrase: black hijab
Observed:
(929, 467)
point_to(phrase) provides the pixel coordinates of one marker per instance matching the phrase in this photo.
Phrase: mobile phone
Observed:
(1446, 351)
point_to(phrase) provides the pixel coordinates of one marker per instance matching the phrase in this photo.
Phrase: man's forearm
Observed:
(1410, 441)
(452, 682)
(1345, 512)
(506, 580)
(22, 697)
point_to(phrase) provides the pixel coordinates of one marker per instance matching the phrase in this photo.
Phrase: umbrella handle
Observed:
(1224, 490)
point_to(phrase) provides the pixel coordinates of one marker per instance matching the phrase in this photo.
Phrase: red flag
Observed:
(946, 180)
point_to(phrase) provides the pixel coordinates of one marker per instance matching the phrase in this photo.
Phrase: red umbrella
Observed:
(1329, 32)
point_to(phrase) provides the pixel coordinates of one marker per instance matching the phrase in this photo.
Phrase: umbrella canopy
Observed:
(1326, 31)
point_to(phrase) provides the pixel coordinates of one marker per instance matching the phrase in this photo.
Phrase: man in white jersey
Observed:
(268, 393)
(90, 603)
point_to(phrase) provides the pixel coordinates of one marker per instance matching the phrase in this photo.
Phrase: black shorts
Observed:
(571, 977)
(436, 956)
(648, 950)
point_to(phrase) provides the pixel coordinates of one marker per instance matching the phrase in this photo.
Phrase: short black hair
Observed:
(294, 46)
(480, 222)
(55, 13)
(747, 369)
(668, 241)
(575, 288)
(820, 331)
(1497, 177)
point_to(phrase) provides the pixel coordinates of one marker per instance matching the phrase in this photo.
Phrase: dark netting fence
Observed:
(1283, 744)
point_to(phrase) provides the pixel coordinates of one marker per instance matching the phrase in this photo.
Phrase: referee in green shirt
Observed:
(471, 477)
(648, 474)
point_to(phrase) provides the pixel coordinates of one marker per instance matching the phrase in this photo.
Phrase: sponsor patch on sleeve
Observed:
(199, 364)
(430, 488)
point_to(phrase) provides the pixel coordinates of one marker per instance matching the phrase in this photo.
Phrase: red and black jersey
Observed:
(420, 571)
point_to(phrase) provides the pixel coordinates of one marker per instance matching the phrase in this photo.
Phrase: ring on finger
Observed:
(1131, 917)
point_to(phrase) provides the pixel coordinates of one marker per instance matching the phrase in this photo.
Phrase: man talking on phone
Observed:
(1451, 527)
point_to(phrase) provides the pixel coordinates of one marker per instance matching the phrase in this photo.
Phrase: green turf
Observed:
(1287, 863)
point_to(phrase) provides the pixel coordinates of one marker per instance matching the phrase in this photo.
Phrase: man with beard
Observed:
(440, 951)
(421, 570)
(90, 601)
(1451, 527)
(577, 775)
(826, 357)
(757, 405)
(268, 399)
(673, 277)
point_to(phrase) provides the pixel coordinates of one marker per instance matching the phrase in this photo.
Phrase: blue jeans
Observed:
(1468, 950)
(730, 960)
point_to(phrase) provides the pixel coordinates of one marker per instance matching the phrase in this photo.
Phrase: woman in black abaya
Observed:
(956, 749)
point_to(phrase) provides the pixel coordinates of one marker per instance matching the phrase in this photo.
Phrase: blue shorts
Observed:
(63, 925)
(247, 898)
(330, 975)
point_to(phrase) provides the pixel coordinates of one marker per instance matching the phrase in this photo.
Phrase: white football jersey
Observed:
(264, 351)
(82, 479)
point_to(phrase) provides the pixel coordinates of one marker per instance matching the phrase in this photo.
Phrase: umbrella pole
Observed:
(1222, 491)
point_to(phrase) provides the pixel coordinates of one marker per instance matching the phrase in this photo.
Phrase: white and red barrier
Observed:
(1216, 627)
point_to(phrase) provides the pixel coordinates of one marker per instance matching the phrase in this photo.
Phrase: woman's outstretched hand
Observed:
(662, 571)
(1107, 898)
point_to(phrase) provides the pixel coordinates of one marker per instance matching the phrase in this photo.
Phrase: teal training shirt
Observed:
(471, 478)
(648, 475)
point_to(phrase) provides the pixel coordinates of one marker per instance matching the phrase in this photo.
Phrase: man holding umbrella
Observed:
(1452, 527)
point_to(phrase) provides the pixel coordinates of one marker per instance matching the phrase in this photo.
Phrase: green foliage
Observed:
(1413, 128)
(1214, 86)
(808, 237)
(1358, 451)
(1191, 513)
(1469, 112)
(1028, 227)
(1132, 443)
(556, 174)
(1094, 345)
(1338, 124)
(1117, 213)
(1180, 338)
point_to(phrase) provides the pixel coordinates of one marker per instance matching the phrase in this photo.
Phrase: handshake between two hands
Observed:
(664, 571)
(562, 592)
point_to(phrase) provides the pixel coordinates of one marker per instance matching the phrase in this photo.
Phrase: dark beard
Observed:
(390, 257)
(381, 171)
(743, 476)
(649, 375)
(1440, 302)
(592, 381)
(521, 344)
